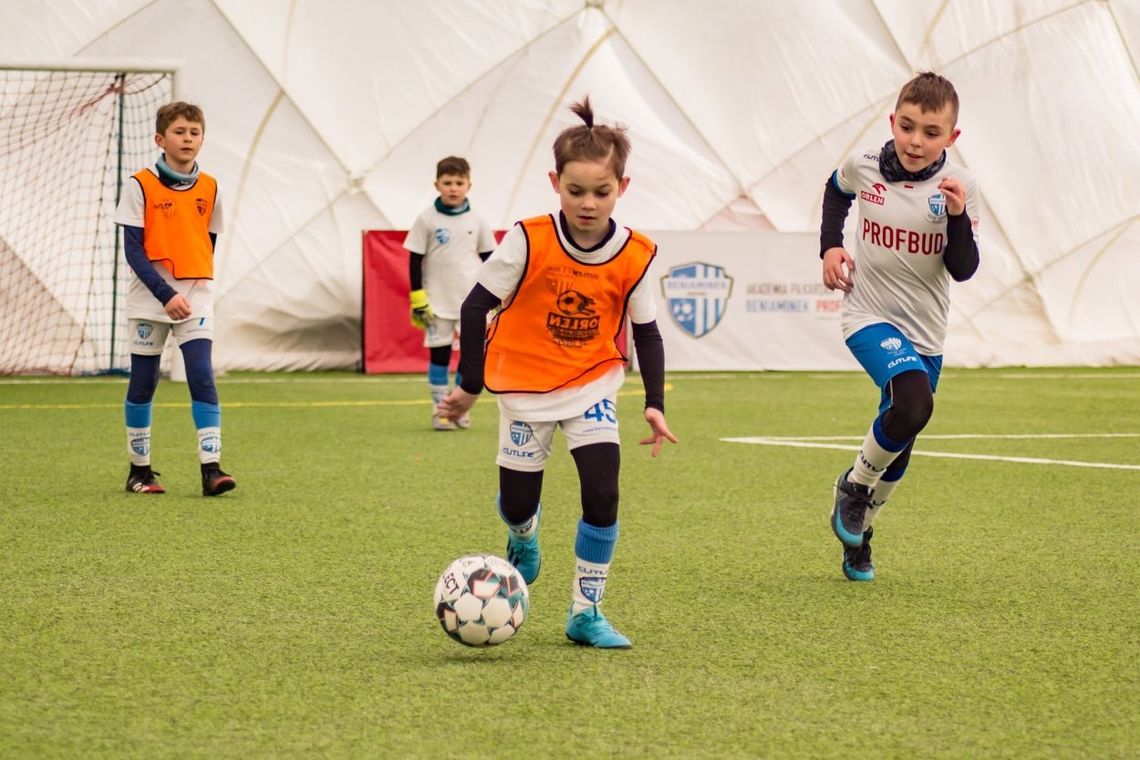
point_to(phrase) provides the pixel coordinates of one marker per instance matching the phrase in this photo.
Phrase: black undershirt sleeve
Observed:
(835, 208)
(472, 333)
(961, 255)
(651, 361)
(416, 270)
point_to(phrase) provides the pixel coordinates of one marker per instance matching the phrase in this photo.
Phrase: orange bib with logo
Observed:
(560, 328)
(176, 230)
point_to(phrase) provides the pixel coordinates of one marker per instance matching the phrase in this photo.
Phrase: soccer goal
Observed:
(69, 138)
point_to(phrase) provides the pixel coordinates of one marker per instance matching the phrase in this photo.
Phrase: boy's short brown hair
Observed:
(453, 165)
(930, 92)
(171, 111)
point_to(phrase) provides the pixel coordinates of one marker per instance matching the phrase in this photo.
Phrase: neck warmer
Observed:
(171, 177)
(892, 169)
(443, 208)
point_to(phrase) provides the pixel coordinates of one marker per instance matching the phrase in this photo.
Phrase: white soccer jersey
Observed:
(901, 234)
(503, 272)
(450, 244)
(141, 303)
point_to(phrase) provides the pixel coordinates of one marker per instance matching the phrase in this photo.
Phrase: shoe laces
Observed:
(857, 501)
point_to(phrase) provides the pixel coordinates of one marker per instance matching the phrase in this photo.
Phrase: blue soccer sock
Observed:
(138, 418)
(593, 553)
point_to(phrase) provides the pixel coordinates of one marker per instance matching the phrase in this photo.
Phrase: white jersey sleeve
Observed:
(131, 211)
(502, 273)
(416, 240)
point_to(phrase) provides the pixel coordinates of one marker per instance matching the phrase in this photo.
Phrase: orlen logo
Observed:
(875, 197)
(891, 344)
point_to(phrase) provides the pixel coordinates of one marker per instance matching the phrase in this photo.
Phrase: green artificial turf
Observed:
(294, 616)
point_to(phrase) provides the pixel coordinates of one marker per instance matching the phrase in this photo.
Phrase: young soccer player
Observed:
(171, 216)
(918, 217)
(566, 282)
(445, 246)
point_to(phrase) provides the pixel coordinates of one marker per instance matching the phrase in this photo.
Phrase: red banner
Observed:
(391, 344)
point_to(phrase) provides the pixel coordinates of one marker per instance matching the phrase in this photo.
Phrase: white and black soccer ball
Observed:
(481, 600)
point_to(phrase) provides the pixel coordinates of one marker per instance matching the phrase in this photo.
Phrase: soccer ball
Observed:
(481, 600)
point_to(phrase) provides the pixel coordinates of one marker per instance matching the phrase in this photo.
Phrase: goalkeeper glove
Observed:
(422, 315)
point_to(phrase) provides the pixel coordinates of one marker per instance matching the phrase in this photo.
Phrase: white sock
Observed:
(138, 445)
(872, 461)
(879, 496)
(209, 444)
(525, 531)
(589, 584)
(438, 393)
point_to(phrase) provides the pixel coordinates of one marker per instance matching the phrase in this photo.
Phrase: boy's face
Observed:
(181, 142)
(453, 189)
(589, 191)
(921, 136)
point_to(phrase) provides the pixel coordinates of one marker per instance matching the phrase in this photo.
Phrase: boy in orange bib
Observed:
(171, 216)
(566, 283)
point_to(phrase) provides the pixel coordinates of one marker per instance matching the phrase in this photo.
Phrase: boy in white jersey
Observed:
(445, 246)
(918, 217)
(171, 215)
(566, 283)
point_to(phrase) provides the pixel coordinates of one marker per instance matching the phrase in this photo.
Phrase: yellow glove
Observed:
(422, 315)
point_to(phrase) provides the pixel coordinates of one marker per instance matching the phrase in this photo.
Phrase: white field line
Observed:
(815, 443)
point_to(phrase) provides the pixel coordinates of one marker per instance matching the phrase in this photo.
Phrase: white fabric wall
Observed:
(326, 117)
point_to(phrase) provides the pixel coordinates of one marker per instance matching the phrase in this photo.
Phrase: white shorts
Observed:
(525, 445)
(441, 332)
(148, 337)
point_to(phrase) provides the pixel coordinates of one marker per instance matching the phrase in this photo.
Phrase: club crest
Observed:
(697, 294)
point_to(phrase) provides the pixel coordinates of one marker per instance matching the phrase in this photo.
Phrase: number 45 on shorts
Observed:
(603, 410)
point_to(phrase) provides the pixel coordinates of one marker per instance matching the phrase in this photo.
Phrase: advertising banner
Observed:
(746, 301)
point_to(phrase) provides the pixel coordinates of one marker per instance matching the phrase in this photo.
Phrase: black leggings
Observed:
(912, 404)
(598, 466)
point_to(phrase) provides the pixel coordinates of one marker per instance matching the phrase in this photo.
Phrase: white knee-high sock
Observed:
(876, 453)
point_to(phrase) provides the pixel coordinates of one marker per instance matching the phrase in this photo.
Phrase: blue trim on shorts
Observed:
(884, 352)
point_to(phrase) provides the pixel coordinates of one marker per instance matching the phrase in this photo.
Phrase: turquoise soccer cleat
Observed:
(591, 628)
(857, 560)
(524, 554)
(851, 503)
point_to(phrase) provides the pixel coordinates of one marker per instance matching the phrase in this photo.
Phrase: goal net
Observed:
(68, 140)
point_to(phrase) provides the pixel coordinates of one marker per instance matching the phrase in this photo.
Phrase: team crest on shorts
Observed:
(521, 432)
(937, 204)
(698, 295)
(891, 344)
(144, 330)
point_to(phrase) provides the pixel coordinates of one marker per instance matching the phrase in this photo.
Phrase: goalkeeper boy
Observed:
(445, 245)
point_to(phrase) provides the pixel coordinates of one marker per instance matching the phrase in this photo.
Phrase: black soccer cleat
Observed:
(142, 480)
(857, 560)
(851, 503)
(214, 481)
